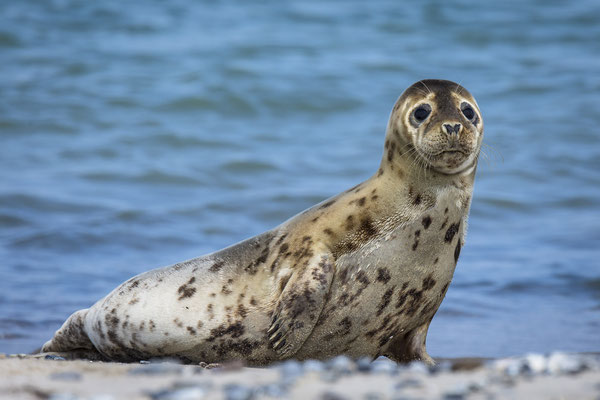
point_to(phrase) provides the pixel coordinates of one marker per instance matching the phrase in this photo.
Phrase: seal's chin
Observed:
(450, 161)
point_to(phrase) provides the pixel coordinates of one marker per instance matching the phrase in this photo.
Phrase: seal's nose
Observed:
(452, 130)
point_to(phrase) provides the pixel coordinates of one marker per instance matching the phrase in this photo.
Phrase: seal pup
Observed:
(360, 274)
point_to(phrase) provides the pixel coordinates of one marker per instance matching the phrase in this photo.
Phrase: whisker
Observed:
(429, 90)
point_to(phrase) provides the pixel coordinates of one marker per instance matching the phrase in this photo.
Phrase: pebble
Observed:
(363, 364)
(562, 363)
(63, 396)
(536, 363)
(290, 370)
(418, 367)
(274, 390)
(182, 391)
(459, 392)
(384, 366)
(408, 382)
(234, 391)
(53, 357)
(331, 396)
(314, 366)
(156, 369)
(341, 364)
(66, 376)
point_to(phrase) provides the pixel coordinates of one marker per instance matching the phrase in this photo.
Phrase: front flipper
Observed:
(300, 305)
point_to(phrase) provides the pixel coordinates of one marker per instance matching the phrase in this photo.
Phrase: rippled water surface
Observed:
(138, 134)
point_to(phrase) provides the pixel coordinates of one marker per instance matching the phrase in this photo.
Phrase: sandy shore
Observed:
(557, 376)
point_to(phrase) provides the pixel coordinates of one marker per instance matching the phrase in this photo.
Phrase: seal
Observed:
(360, 274)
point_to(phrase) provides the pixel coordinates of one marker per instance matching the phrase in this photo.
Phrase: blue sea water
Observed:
(138, 134)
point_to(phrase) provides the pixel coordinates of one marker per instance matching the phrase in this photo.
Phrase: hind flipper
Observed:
(71, 336)
(410, 347)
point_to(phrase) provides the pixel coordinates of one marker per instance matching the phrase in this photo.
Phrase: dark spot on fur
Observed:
(151, 325)
(226, 290)
(315, 219)
(444, 224)
(185, 290)
(344, 275)
(367, 228)
(241, 311)
(328, 231)
(284, 282)
(253, 301)
(383, 275)
(452, 230)
(415, 244)
(234, 330)
(217, 266)
(446, 210)
(361, 201)
(361, 276)
(385, 300)
(426, 221)
(344, 329)
(133, 301)
(380, 172)
(350, 222)
(417, 199)
(281, 239)
(252, 268)
(457, 250)
(191, 330)
(328, 204)
(284, 247)
(428, 282)
(443, 290)
(436, 260)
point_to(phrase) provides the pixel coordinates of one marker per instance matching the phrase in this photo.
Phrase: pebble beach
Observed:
(532, 376)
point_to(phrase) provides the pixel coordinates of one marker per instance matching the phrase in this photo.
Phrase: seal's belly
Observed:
(179, 311)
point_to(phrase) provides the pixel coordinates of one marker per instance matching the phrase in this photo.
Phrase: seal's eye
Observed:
(468, 112)
(422, 112)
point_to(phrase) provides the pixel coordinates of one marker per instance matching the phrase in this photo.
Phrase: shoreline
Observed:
(558, 375)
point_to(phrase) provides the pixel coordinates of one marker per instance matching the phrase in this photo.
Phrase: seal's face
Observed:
(442, 121)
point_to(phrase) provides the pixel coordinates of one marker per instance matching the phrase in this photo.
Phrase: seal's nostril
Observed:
(449, 129)
(456, 128)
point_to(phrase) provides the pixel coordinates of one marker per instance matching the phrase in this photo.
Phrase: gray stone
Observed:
(156, 369)
(53, 357)
(562, 363)
(341, 364)
(66, 376)
(234, 391)
(373, 396)
(290, 370)
(314, 366)
(384, 366)
(536, 364)
(272, 390)
(459, 392)
(363, 364)
(182, 390)
(418, 367)
(331, 396)
(63, 396)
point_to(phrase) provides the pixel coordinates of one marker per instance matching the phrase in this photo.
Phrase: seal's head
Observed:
(441, 122)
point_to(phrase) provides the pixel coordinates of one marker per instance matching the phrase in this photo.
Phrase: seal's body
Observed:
(361, 274)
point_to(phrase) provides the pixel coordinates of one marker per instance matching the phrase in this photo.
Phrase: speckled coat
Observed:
(360, 274)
